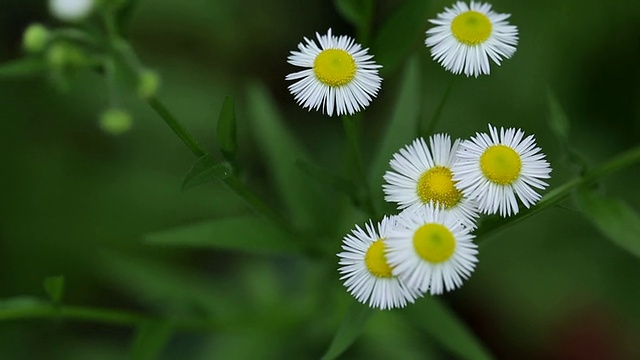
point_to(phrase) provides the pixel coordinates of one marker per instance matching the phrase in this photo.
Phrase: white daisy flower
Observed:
(494, 168)
(466, 36)
(339, 77)
(71, 10)
(421, 174)
(430, 250)
(365, 271)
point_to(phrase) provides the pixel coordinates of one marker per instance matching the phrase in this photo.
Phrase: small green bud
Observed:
(61, 55)
(35, 38)
(148, 84)
(115, 121)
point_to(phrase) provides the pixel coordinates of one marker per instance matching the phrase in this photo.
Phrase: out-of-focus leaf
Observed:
(247, 234)
(22, 68)
(54, 287)
(175, 291)
(558, 121)
(614, 218)
(446, 329)
(328, 178)
(152, 336)
(281, 150)
(350, 329)
(205, 170)
(226, 133)
(401, 129)
(23, 307)
(401, 31)
(357, 12)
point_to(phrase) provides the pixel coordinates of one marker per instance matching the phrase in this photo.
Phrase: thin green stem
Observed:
(352, 131)
(177, 128)
(433, 122)
(617, 163)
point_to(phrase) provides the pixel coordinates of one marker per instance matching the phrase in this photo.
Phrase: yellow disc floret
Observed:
(437, 185)
(500, 164)
(471, 27)
(334, 67)
(376, 261)
(434, 243)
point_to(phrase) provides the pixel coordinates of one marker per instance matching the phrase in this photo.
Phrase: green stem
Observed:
(437, 114)
(177, 128)
(619, 162)
(352, 131)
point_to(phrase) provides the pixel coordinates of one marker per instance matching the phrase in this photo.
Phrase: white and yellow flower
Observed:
(494, 168)
(430, 250)
(339, 76)
(365, 271)
(467, 36)
(421, 174)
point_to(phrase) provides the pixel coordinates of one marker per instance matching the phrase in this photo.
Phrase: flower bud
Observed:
(70, 10)
(148, 83)
(35, 38)
(115, 121)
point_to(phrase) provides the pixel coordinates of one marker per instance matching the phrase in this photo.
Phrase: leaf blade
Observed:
(54, 287)
(226, 131)
(352, 325)
(206, 169)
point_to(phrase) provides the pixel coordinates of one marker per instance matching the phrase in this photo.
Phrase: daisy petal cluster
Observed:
(466, 36)
(339, 77)
(440, 188)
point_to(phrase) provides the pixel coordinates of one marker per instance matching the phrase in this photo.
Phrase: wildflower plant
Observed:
(313, 234)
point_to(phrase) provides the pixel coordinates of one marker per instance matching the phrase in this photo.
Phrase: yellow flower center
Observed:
(334, 67)
(434, 243)
(471, 27)
(437, 185)
(500, 164)
(376, 261)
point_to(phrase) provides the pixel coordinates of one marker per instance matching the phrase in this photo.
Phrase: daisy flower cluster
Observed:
(440, 189)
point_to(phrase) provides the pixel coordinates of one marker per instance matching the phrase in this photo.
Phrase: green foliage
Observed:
(352, 325)
(151, 338)
(248, 234)
(613, 218)
(226, 133)
(558, 120)
(22, 68)
(206, 170)
(399, 34)
(54, 287)
(446, 329)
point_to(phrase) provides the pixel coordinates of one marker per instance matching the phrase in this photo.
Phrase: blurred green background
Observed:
(78, 202)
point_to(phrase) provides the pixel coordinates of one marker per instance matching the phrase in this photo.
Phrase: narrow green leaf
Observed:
(281, 151)
(558, 121)
(54, 287)
(22, 68)
(350, 329)
(206, 170)
(226, 134)
(151, 338)
(247, 234)
(23, 307)
(614, 218)
(401, 31)
(446, 329)
(401, 129)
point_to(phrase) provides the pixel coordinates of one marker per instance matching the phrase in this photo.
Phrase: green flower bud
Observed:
(115, 121)
(35, 38)
(148, 83)
(60, 55)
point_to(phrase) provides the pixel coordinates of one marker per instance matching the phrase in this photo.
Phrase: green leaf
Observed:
(399, 33)
(23, 68)
(614, 218)
(281, 151)
(436, 319)
(206, 170)
(328, 178)
(401, 129)
(558, 120)
(352, 326)
(54, 287)
(23, 307)
(151, 338)
(247, 234)
(226, 134)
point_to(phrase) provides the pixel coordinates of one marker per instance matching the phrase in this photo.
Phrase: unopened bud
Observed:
(115, 121)
(71, 10)
(148, 84)
(35, 38)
